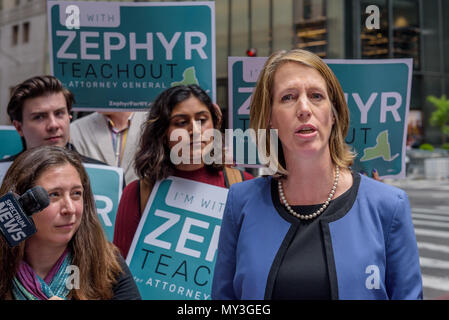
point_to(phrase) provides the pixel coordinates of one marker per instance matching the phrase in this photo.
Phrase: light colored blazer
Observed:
(91, 137)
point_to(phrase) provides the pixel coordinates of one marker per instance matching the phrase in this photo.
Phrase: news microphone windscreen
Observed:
(34, 200)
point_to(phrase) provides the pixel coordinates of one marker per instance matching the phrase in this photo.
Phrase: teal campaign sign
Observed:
(378, 97)
(121, 55)
(11, 141)
(106, 183)
(242, 77)
(172, 256)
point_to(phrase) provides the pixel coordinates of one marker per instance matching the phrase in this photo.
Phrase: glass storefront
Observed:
(311, 26)
(374, 40)
(339, 29)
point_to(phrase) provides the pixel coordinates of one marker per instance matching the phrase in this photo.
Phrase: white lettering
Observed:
(108, 47)
(62, 52)
(73, 18)
(373, 280)
(373, 21)
(86, 45)
(384, 108)
(115, 41)
(73, 281)
(213, 245)
(186, 235)
(189, 46)
(151, 238)
(103, 212)
(244, 108)
(133, 46)
(168, 45)
(364, 108)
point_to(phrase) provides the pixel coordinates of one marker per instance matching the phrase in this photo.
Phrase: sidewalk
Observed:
(424, 170)
(412, 183)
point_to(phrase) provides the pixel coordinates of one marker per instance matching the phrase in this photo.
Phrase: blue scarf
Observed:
(27, 285)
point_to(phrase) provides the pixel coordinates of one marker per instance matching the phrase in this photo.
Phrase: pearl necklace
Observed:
(320, 210)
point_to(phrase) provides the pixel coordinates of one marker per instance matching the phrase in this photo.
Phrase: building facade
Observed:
(334, 29)
(23, 45)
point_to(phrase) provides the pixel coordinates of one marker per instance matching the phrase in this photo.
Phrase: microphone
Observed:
(15, 224)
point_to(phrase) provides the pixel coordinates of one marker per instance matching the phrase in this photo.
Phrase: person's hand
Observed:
(55, 298)
(374, 175)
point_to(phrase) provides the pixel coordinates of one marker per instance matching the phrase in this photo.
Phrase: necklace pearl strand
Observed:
(320, 210)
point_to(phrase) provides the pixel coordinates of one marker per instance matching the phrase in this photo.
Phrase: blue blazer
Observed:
(370, 244)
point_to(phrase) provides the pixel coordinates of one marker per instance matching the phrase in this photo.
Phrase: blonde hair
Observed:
(262, 99)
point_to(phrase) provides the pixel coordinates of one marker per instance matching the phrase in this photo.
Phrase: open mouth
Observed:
(306, 129)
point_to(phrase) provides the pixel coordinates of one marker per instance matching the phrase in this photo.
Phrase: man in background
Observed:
(112, 137)
(39, 109)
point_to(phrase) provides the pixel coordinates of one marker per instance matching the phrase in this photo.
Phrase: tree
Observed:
(440, 117)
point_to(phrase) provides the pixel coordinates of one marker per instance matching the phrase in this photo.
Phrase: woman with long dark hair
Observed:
(69, 234)
(185, 108)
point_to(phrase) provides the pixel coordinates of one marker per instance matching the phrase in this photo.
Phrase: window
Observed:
(307, 13)
(399, 32)
(26, 32)
(311, 26)
(374, 41)
(406, 30)
(15, 35)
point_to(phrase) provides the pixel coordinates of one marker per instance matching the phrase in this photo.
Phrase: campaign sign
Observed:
(106, 183)
(378, 97)
(242, 77)
(11, 141)
(172, 256)
(4, 166)
(121, 55)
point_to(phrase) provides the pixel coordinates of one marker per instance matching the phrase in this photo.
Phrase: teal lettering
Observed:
(188, 199)
(204, 203)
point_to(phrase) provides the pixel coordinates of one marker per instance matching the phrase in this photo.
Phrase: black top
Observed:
(125, 288)
(302, 272)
